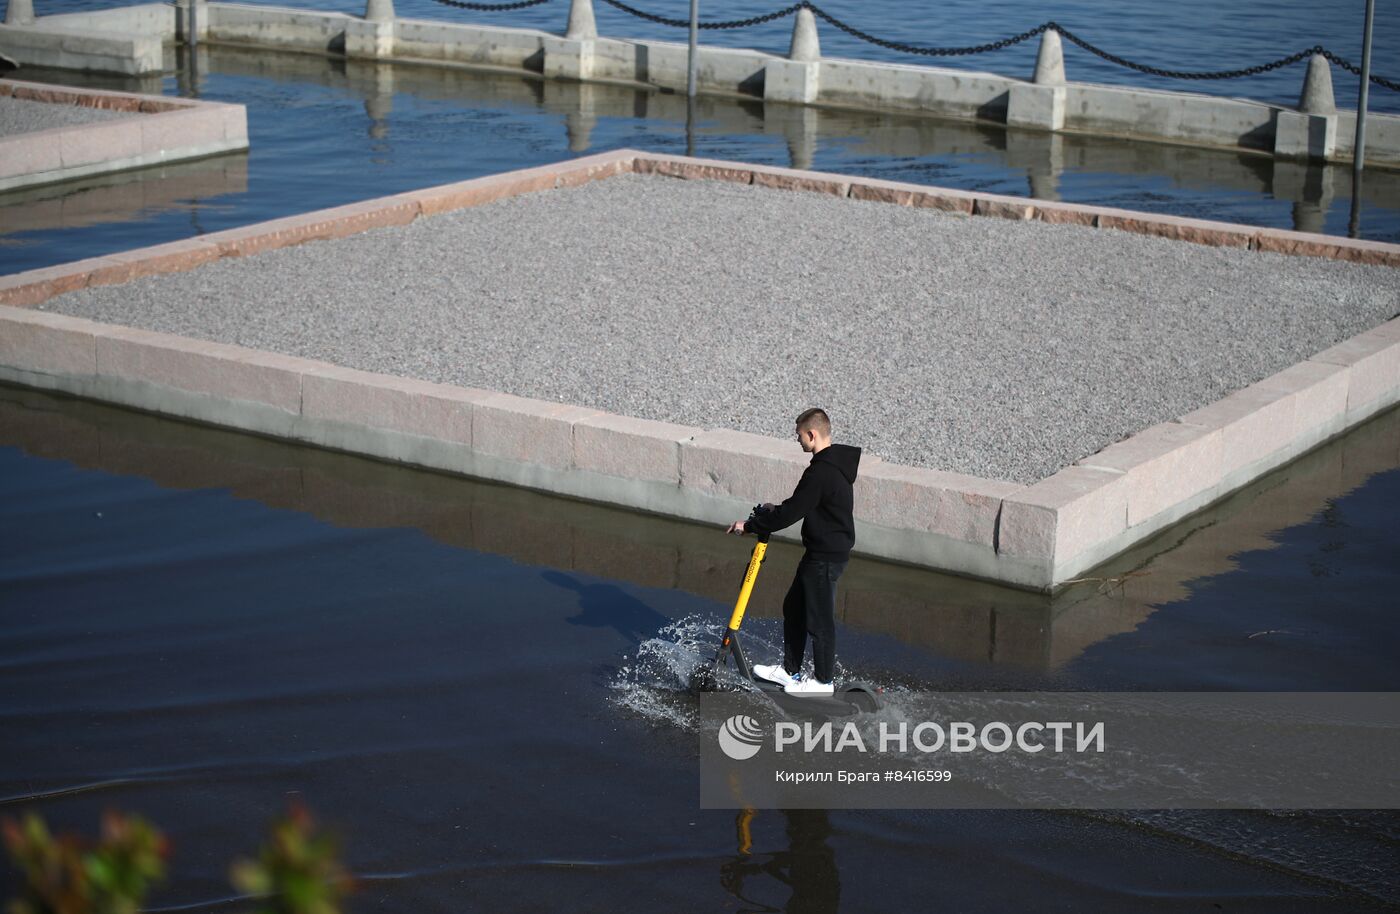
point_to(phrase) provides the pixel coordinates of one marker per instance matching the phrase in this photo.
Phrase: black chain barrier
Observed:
(491, 7)
(916, 49)
(685, 23)
(959, 51)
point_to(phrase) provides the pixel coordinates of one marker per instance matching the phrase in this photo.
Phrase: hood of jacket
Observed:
(843, 456)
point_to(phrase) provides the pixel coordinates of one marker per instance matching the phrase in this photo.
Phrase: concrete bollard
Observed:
(1041, 103)
(1050, 60)
(806, 47)
(19, 12)
(797, 78)
(581, 23)
(1317, 97)
(571, 57)
(1311, 131)
(371, 36)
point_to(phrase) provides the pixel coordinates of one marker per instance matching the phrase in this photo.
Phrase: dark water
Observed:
(479, 686)
(326, 132)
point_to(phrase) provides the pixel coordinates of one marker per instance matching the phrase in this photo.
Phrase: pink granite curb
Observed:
(624, 447)
(37, 286)
(89, 98)
(960, 507)
(740, 465)
(1034, 536)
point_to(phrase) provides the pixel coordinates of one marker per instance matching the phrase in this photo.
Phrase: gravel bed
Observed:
(19, 115)
(1005, 350)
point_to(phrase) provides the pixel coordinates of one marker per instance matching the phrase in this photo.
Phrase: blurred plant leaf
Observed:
(297, 872)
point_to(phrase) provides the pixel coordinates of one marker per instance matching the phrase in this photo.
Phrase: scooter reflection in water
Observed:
(808, 866)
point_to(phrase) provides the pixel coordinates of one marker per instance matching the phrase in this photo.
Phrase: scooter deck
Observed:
(816, 705)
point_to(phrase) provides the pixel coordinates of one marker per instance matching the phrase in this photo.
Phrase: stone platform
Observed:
(1034, 531)
(98, 132)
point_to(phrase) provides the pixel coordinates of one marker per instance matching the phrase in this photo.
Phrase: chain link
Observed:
(1183, 74)
(685, 23)
(1356, 71)
(491, 7)
(916, 49)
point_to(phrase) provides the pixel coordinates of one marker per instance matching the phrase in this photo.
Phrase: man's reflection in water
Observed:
(807, 867)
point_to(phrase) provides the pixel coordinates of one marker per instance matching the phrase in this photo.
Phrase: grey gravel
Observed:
(19, 115)
(1005, 350)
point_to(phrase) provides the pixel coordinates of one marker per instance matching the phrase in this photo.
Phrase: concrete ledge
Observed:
(198, 367)
(741, 466)
(64, 47)
(1373, 362)
(631, 448)
(360, 398)
(521, 430)
(962, 508)
(159, 131)
(1319, 392)
(1029, 536)
(1162, 466)
(50, 344)
(1063, 517)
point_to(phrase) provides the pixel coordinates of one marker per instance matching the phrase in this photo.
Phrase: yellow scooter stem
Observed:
(755, 560)
(729, 641)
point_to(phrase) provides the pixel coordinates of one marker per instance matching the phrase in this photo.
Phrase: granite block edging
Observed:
(709, 475)
(159, 130)
(1176, 228)
(1035, 537)
(37, 286)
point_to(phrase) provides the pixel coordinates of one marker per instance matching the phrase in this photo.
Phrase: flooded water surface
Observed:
(481, 689)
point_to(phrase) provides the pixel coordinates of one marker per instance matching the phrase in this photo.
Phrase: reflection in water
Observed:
(807, 867)
(124, 196)
(607, 606)
(965, 623)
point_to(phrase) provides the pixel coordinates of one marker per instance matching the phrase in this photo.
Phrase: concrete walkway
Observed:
(1000, 349)
(19, 115)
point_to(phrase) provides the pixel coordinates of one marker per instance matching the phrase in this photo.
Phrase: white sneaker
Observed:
(806, 685)
(774, 673)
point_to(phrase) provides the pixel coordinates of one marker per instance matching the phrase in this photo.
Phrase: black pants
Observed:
(809, 610)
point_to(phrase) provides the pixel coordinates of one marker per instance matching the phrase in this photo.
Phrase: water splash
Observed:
(655, 682)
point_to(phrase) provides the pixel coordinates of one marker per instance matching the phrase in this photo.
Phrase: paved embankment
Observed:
(19, 115)
(997, 348)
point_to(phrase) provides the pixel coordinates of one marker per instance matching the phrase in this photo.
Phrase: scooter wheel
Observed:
(866, 698)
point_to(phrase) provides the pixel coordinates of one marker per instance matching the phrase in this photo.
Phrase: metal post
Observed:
(690, 126)
(694, 40)
(194, 27)
(1358, 153)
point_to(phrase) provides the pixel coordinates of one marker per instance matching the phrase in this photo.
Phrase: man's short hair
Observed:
(815, 419)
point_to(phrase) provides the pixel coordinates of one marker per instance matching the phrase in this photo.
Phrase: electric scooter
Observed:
(852, 698)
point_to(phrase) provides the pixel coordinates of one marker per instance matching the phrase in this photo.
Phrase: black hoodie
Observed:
(822, 501)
